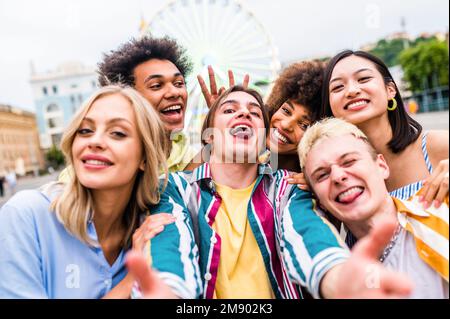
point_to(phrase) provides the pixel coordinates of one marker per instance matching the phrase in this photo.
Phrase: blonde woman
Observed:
(69, 240)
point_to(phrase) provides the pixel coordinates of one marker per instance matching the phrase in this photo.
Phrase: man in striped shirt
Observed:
(241, 231)
(347, 176)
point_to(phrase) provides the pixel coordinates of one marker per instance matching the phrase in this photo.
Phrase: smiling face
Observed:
(357, 91)
(238, 128)
(107, 150)
(346, 178)
(163, 85)
(287, 127)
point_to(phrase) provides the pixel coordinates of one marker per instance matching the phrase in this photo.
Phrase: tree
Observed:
(54, 157)
(389, 50)
(425, 63)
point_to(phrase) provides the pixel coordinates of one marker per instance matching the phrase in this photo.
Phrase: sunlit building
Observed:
(57, 95)
(19, 142)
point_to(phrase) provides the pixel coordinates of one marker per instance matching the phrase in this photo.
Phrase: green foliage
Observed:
(54, 157)
(425, 63)
(389, 51)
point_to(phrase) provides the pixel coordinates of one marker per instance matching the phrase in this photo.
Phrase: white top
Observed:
(428, 284)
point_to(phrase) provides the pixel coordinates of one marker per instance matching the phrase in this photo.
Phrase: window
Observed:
(94, 84)
(54, 122)
(55, 89)
(52, 108)
(56, 139)
(44, 90)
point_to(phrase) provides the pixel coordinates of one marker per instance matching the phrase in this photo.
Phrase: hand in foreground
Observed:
(363, 276)
(151, 286)
(299, 180)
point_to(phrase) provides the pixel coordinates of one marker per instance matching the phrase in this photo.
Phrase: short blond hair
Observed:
(326, 128)
(74, 207)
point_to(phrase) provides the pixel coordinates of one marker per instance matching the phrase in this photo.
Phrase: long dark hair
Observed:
(405, 130)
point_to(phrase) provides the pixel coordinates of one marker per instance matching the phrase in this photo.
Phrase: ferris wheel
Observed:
(220, 33)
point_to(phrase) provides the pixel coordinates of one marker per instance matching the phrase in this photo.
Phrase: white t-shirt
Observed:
(428, 284)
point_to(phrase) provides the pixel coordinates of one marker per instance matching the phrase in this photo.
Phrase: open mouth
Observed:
(350, 195)
(172, 110)
(242, 131)
(357, 105)
(280, 138)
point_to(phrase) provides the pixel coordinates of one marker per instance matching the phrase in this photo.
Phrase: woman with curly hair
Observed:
(293, 105)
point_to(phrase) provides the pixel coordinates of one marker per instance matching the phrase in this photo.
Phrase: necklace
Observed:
(391, 244)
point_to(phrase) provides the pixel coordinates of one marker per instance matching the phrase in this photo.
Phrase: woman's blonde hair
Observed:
(74, 207)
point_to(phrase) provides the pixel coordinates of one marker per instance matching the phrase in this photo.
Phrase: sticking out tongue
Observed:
(350, 197)
(241, 132)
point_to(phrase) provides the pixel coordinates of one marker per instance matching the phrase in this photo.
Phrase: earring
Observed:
(394, 104)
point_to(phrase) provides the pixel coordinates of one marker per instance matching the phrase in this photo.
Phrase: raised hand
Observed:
(212, 94)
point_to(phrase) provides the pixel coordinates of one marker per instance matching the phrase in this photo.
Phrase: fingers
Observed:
(433, 187)
(436, 186)
(299, 180)
(442, 194)
(152, 226)
(212, 80)
(394, 284)
(231, 78)
(205, 91)
(138, 268)
(374, 243)
(246, 81)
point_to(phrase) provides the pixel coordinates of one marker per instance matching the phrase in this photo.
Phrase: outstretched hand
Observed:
(363, 276)
(212, 94)
(152, 287)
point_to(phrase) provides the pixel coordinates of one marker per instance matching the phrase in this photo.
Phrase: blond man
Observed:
(347, 177)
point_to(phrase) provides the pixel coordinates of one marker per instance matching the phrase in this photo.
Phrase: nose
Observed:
(287, 125)
(244, 113)
(172, 92)
(96, 141)
(353, 89)
(338, 174)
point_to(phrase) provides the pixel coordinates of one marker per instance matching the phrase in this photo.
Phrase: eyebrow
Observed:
(159, 76)
(359, 71)
(236, 102)
(340, 158)
(111, 121)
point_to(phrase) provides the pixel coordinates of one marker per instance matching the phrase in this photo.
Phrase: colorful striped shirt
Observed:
(298, 246)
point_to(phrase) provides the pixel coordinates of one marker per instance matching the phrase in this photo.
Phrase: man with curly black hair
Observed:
(157, 68)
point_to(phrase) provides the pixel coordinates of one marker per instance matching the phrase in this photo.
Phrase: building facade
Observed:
(57, 95)
(19, 142)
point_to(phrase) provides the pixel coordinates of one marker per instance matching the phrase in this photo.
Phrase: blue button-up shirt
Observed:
(40, 259)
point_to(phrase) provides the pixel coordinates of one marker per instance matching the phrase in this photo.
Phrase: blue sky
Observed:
(49, 32)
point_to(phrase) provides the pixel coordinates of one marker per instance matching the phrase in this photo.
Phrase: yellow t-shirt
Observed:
(241, 272)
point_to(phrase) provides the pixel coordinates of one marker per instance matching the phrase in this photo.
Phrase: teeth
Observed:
(172, 108)
(280, 137)
(349, 192)
(95, 162)
(357, 104)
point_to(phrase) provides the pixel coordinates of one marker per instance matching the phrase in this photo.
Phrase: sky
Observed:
(51, 32)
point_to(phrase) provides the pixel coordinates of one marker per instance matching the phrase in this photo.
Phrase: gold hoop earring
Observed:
(394, 104)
